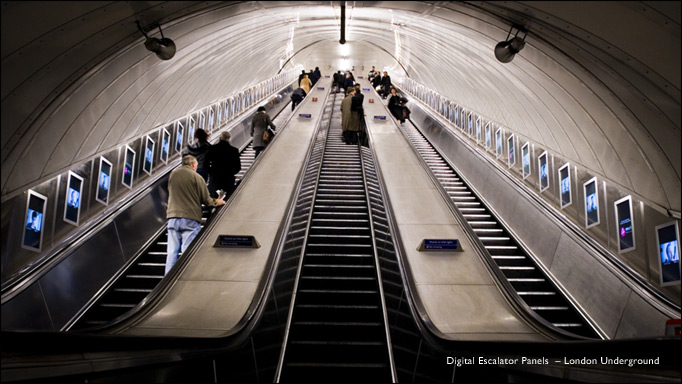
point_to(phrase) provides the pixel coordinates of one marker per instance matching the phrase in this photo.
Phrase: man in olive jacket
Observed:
(186, 192)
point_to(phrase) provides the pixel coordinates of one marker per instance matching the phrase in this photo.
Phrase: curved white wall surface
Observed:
(598, 83)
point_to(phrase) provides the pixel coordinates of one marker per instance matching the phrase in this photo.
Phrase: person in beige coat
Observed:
(306, 84)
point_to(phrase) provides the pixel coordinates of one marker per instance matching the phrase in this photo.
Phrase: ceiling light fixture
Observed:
(506, 50)
(163, 47)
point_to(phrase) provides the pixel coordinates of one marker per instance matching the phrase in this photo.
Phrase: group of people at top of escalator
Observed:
(306, 81)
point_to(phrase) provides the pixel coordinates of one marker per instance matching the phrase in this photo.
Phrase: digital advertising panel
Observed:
(103, 181)
(148, 156)
(165, 144)
(179, 137)
(625, 224)
(543, 176)
(36, 205)
(498, 142)
(72, 203)
(591, 203)
(565, 185)
(128, 167)
(525, 159)
(668, 241)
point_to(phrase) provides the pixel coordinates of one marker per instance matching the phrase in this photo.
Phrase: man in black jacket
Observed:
(223, 162)
(297, 97)
(385, 85)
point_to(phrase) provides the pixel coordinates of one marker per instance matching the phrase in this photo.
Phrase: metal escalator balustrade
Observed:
(520, 270)
(136, 282)
(337, 329)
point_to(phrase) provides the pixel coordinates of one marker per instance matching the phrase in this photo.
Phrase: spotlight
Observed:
(506, 50)
(163, 47)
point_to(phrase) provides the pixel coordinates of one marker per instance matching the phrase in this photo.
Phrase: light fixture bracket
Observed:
(163, 47)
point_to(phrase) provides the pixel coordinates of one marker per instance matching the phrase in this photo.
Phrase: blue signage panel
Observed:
(366, 89)
(305, 115)
(320, 88)
(233, 241)
(382, 117)
(450, 245)
(439, 245)
(360, 77)
(326, 76)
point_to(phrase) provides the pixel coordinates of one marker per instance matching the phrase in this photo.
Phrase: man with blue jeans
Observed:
(187, 190)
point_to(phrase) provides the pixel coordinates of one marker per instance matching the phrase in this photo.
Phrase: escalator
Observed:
(298, 330)
(145, 272)
(529, 281)
(337, 329)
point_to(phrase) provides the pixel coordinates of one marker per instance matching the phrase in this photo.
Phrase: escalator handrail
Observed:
(316, 137)
(377, 265)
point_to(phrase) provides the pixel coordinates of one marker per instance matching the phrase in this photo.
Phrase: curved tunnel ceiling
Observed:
(598, 83)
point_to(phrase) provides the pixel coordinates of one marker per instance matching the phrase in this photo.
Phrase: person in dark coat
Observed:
(358, 98)
(404, 111)
(385, 85)
(357, 109)
(376, 81)
(260, 122)
(317, 73)
(296, 97)
(311, 76)
(300, 77)
(223, 163)
(199, 148)
(348, 117)
(372, 73)
(394, 105)
(336, 81)
(348, 82)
